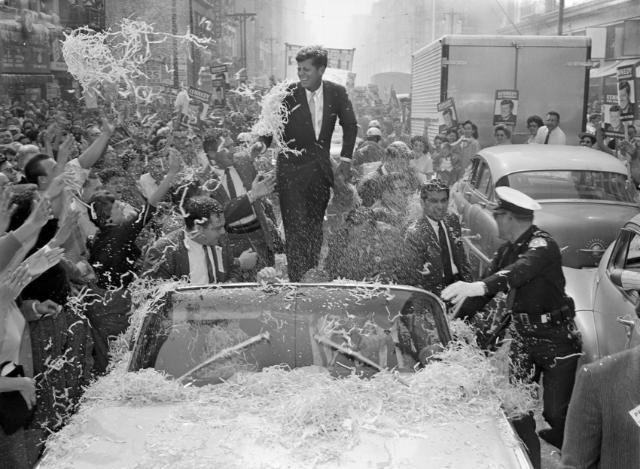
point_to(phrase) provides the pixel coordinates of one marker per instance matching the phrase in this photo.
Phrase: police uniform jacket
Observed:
(532, 265)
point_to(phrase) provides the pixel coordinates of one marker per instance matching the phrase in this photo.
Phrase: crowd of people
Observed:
(90, 203)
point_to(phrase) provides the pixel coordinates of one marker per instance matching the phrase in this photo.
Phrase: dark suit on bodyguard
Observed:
(303, 181)
(424, 262)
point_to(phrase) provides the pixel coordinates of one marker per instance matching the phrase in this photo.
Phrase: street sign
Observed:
(216, 69)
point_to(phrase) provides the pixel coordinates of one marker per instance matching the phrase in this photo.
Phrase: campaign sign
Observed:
(613, 124)
(505, 110)
(448, 115)
(627, 92)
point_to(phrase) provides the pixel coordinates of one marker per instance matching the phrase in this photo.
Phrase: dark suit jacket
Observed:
(235, 208)
(599, 432)
(422, 247)
(168, 259)
(299, 133)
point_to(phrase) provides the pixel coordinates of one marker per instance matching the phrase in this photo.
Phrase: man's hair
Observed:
(434, 185)
(211, 140)
(199, 209)
(631, 127)
(504, 128)
(34, 169)
(101, 202)
(318, 55)
(507, 101)
(554, 113)
(535, 119)
(614, 108)
(420, 138)
(624, 85)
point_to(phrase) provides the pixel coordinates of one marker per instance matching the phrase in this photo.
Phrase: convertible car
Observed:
(585, 196)
(292, 376)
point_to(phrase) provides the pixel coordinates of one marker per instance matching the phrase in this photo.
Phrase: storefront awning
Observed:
(609, 68)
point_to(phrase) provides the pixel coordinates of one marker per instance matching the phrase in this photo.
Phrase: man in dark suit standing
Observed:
(303, 180)
(434, 250)
(241, 191)
(603, 422)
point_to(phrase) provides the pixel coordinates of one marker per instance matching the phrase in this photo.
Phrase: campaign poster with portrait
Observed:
(613, 124)
(626, 92)
(448, 115)
(505, 109)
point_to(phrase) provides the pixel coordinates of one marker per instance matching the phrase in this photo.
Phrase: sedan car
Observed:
(290, 376)
(607, 297)
(585, 194)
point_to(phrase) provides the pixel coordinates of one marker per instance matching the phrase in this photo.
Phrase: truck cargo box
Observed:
(549, 72)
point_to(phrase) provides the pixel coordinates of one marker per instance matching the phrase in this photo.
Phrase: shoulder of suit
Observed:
(333, 85)
(617, 363)
(170, 240)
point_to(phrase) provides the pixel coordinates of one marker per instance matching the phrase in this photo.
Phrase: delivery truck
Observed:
(478, 76)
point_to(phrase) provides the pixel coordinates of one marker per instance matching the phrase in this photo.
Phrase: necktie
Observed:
(546, 140)
(230, 187)
(312, 109)
(210, 267)
(444, 254)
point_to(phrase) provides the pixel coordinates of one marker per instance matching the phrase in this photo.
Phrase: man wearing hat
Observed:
(545, 340)
(435, 255)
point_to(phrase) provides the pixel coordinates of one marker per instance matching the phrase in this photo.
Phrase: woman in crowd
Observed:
(421, 162)
(533, 124)
(502, 135)
(467, 146)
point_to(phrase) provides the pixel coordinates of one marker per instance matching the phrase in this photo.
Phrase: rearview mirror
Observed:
(626, 279)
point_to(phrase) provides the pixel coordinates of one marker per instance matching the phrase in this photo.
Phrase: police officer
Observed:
(545, 339)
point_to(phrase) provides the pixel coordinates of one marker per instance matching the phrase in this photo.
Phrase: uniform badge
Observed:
(538, 243)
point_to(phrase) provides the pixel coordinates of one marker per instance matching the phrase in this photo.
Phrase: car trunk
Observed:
(583, 243)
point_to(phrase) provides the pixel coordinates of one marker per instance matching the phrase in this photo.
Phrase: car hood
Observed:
(120, 436)
(598, 226)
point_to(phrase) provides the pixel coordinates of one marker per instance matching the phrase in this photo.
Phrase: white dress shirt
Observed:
(318, 99)
(436, 226)
(198, 273)
(557, 136)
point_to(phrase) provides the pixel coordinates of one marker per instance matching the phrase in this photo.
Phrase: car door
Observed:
(481, 232)
(612, 301)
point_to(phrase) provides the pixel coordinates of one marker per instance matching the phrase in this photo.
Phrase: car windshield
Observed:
(245, 329)
(598, 185)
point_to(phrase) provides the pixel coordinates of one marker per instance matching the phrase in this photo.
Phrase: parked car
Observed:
(250, 327)
(607, 297)
(585, 194)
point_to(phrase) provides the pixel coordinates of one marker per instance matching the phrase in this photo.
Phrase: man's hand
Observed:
(344, 169)
(175, 161)
(263, 185)
(41, 213)
(108, 127)
(248, 259)
(27, 389)
(267, 275)
(6, 209)
(12, 283)
(66, 151)
(257, 149)
(67, 225)
(457, 292)
(43, 259)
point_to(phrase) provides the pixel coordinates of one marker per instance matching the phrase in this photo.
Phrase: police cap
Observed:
(514, 201)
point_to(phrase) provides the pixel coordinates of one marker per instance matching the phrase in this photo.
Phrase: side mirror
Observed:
(626, 279)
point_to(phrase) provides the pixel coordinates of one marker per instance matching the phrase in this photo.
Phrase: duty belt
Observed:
(557, 315)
